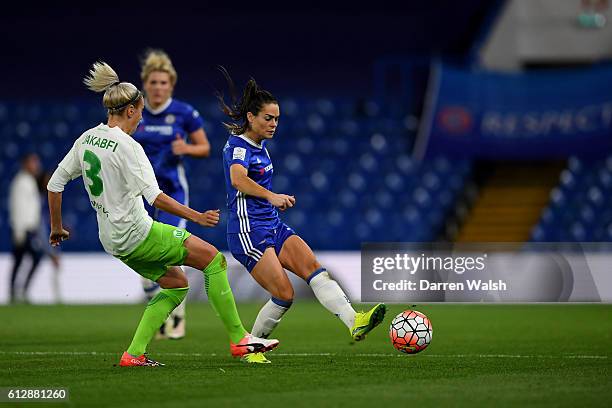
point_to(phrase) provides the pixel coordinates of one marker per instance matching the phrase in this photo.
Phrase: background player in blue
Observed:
(257, 237)
(167, 124)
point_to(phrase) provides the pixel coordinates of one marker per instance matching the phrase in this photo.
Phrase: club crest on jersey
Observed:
(170, 119)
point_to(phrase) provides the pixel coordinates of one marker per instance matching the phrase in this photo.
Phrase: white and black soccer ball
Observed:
(410, 332)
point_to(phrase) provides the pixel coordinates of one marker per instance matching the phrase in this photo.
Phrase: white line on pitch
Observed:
(98, 353)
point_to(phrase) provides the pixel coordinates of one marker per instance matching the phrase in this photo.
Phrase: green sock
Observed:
(221, 297)
(154, 316)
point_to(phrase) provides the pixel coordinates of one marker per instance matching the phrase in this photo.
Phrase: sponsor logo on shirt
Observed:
(178, 233)
(267, 168)
(162, 130)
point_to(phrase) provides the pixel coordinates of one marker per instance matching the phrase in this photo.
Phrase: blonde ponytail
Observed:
(101, 77)
(117, 95)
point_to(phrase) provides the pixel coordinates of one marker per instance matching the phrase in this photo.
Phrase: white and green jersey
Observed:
(117, 174)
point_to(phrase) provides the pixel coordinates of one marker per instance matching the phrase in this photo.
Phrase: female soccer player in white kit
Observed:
(117, 175)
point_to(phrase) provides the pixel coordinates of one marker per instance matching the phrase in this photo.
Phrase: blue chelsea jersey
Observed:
(157, 132)
(248, 213)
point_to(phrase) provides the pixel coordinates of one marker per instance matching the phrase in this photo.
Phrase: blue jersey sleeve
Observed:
(193, 120)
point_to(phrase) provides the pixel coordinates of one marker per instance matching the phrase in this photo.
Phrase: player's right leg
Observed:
(296, 256)
(174, 327)
(205, 257)
(174, 289)
(163, 246)
(151, 289)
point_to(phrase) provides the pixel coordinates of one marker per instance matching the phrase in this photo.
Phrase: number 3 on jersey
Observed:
(96, 187)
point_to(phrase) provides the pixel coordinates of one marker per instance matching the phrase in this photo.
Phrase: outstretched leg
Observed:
(297, 256)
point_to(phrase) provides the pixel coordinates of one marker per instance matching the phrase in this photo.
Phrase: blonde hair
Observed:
(117, 95)
(157, 60)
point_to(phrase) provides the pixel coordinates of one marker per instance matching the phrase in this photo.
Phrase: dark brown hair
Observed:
(253, 99)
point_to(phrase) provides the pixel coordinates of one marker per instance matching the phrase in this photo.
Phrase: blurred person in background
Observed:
(169, 130)
(25, 220)
(257, 237)
(43, 232)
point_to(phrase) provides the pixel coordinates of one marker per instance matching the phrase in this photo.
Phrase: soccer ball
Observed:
(410, 332)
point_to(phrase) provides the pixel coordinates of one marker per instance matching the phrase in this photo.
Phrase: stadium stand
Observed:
(580, 207)
(348, 163)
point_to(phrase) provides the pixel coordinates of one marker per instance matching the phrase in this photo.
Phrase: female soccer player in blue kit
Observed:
(257, 237)
(166, 124)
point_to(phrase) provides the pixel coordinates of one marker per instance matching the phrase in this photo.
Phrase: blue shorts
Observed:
(248, 247)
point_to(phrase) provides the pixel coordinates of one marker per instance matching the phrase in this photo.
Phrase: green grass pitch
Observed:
(481, 355)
